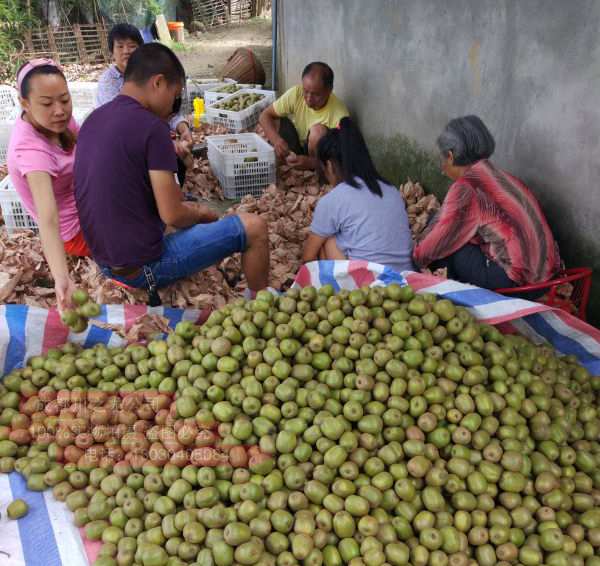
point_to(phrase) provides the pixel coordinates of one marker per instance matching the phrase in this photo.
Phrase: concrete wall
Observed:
(529, 68)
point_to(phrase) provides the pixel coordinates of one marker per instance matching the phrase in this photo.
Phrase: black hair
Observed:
(67, 138)
(346, 147)
(323, 70)
(468, 139)
(154, 59)
(124, 31)
(41, 70)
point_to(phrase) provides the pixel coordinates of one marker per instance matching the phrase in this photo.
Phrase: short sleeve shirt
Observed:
(365, 225)
(110, 84)
(29, 151)
(119, 143)
(293, 106)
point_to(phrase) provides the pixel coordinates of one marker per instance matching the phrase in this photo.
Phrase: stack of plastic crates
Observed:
(14, 215)
(83, 97)
(13, 212)
(9, 112)
(5, 129)
(238, 121)
(244, 164)
(197, 88)
(9, 104)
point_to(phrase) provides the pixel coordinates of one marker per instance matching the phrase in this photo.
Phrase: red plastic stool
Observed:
(580, 278)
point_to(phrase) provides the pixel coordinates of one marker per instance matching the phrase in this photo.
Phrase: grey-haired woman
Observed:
(490, 230)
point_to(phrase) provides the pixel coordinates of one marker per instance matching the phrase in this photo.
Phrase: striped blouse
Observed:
(496, 211)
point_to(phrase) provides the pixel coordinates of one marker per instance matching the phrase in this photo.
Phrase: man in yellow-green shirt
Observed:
(297, 120)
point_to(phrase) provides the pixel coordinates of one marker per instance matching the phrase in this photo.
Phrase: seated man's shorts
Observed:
(288, 132)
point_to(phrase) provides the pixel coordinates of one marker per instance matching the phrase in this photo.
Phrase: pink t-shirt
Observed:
(29, 150)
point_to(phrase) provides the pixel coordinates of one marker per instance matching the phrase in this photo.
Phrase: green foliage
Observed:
(16, 15)
(153, 7)
(13, 17)
(179, 47)
(400, 158)
(138, 12)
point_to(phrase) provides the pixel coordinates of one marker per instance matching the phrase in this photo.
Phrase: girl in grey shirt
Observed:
(363, 217)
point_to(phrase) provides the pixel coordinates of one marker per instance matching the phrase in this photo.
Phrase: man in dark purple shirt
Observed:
(126, 191)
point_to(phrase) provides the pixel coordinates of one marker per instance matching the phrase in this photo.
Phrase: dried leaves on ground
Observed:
(419, 206)
(144, 327)
(287, 207)
(80, 72)
(85, 72)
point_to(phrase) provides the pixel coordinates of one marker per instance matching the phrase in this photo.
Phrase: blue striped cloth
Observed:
(47, 536)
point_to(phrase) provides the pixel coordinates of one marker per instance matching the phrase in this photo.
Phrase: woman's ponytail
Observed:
(346, 147)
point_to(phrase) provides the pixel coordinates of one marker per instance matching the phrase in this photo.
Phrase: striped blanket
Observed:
(29, 331)
(539, 323)
(46, 536)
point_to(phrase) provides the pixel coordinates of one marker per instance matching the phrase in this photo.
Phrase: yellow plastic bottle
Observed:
(198, 111)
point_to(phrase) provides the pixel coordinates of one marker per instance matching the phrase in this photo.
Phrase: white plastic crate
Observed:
(196, 88)
(5, 130)
(83, 97)
(246, 119)
(243, 163)
(13, 212)
(81, 114)
(83, 94)
(9, 104)
(213, 95)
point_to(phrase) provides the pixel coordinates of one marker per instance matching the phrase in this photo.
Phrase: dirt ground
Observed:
(203, 55)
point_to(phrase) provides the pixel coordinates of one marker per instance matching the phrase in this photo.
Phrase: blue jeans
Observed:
(188, 251)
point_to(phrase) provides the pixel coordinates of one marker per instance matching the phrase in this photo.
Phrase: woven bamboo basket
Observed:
(244, 67)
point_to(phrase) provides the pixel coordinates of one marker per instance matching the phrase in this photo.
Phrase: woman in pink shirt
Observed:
(41, 153)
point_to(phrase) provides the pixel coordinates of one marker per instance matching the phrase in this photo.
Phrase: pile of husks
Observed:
(288, 207)
(25, 278)
(419, 206)
(83, 71)
(374, 427)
